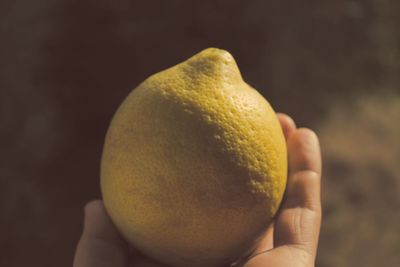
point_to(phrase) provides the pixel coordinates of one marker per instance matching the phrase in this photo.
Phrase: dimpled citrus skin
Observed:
(194, 164)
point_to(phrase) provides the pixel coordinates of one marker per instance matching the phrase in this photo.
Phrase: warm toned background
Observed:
(65, 66)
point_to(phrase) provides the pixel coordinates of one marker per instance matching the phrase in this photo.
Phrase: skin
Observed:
(292, 240)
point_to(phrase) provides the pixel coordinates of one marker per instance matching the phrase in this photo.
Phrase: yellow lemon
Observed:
(194, 165)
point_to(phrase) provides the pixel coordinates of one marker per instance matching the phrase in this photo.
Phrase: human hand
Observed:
(291, 241)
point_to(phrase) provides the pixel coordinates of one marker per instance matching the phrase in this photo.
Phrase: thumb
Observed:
(100, 243)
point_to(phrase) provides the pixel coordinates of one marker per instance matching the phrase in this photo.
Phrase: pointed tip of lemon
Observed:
(214, 56)
(215, 62)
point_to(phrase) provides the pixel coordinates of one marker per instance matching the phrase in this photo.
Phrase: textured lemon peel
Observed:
(206, 68)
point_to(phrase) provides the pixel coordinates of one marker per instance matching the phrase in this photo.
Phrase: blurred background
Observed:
(65, 66)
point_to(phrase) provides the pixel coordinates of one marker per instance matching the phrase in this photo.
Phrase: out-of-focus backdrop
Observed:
(65, 66)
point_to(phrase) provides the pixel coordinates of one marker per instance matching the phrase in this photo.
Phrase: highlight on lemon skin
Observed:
(194, 163)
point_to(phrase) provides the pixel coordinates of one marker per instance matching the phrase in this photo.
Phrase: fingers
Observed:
(298, 222)
(297, 225)
(287, 124)
(100, 243)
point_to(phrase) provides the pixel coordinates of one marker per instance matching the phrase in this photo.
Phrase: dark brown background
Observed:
(65, 66)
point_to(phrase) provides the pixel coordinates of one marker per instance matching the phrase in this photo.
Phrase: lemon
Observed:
(194, 164)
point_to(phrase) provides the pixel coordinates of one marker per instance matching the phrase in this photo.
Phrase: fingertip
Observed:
(93, 208)
(287, 123)
(304, 151)
(93, 211)
(306, 134)
(98, 224)
(286, 119)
